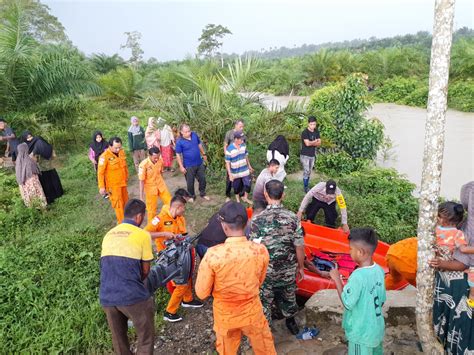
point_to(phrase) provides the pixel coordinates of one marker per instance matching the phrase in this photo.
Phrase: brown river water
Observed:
(405, 126)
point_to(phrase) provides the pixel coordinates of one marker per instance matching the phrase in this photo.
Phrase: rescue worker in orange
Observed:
(168, 224)
(402, 262)
(233, 273)
(152, 184)
(112, 176)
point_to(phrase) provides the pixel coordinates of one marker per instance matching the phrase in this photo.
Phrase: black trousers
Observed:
(330, 213)
(228, 185)
(199, 173)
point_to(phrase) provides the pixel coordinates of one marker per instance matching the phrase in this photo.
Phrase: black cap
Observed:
(331, 187)
(232, 212)
(239, 134)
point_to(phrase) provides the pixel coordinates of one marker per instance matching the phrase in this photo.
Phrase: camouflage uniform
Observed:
(280, 231)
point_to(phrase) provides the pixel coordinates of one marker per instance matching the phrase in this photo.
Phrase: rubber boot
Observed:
(306, 184)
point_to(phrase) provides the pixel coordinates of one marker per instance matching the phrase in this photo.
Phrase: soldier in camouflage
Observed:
(280, 231)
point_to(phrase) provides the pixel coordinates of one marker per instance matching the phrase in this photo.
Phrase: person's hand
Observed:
(182, 169)
(205, 158)
(168, 235)
(231, 178)
(435, 263)
(345, 228)
(102, 191)
(299, 215)
(334, 274)
(299, 274)
(251, 169)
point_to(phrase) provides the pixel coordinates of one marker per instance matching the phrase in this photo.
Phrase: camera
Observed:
(175, 262)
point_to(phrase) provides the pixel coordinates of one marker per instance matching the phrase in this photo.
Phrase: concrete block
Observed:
(325, 306)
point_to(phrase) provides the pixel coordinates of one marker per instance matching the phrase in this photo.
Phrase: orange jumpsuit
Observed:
(154, 185)
(233, 272)
(164, 222)
(112, 174)
(402, 262)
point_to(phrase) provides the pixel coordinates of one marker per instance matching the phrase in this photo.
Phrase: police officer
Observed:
(280, 231)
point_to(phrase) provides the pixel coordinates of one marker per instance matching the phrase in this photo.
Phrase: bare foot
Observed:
(207, 198)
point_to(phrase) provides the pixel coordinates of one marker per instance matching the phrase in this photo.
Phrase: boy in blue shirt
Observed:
(363, 296)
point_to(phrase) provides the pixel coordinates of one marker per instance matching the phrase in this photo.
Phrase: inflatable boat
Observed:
(333, 245)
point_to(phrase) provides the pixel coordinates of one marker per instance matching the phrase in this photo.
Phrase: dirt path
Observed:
(194, 335)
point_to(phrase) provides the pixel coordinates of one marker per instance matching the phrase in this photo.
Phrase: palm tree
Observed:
(34, 75)
(104, 63)
(319, 67)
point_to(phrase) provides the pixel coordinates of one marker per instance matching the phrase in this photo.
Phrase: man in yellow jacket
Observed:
(112, 176)
(152, 184)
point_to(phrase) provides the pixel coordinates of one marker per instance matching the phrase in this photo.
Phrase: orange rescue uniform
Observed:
(154, 185)
(402, 262)
(164, 222)
(112, 174)
(233, 272)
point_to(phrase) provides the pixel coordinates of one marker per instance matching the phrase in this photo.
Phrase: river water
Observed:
(406, 128)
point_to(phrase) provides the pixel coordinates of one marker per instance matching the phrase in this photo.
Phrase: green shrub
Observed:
(339, 163)
(375, 197)
(461, 95)
(396, 89)
(418, 97)
(49, 266)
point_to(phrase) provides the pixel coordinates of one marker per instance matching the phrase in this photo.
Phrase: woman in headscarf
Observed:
(136, 141)
(152, 134)
(167, 145)
(27, 172)
(452, 316)
(97, 147)
(42, 152)
(279, 150)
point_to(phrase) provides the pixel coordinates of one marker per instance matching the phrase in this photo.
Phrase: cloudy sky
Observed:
(170, 29)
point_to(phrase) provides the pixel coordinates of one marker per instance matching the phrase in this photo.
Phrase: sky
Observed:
(170, 29)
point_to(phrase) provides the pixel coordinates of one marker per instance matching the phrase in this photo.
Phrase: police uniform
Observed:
(154, 185)
(112, 174)
(165, 222)
(280, 231)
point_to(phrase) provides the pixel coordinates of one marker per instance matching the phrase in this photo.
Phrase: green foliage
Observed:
(339, 163)
(209, 40)
(462, 59)
(396, 89)
(461, 95)
(42, 26)
(34, 77)
(49, 265)
(341, 110)
(375, 197)
(124, 86)
(104, 63)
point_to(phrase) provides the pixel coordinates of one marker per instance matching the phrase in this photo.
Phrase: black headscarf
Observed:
(97, 147)
(280, 144)
(38, 145)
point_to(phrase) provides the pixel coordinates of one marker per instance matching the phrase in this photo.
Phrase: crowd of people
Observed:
(250, 267)
(33, 158)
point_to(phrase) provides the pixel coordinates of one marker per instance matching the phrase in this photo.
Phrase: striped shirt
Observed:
(237, 157)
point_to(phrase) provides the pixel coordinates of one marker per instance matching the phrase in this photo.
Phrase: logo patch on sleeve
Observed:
(101, 161)
(155, 221)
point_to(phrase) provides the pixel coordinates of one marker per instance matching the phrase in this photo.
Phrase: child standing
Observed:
(449, 238)
(363, 296)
